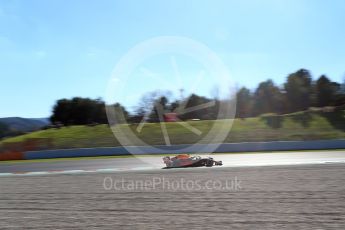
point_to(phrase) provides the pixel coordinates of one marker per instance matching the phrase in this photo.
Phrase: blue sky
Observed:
(59, 49)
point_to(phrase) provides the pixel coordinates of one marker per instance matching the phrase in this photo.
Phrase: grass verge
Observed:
(290, 127)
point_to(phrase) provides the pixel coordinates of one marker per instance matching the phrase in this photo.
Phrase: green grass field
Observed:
(297, 126)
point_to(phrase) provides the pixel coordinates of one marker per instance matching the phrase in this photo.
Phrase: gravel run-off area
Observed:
(270, 197)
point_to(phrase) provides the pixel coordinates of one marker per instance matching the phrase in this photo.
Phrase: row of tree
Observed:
(298, 93)
(81, 111)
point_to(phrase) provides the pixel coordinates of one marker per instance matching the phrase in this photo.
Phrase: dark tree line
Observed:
(182, 106)
(163, 105)
(79, 111)
(298, 93)
(82, 111)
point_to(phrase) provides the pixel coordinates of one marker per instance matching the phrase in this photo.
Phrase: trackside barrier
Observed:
(199, 148)
(11, 155)
(15, 150)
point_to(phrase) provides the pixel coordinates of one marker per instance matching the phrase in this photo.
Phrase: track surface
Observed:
(231, 160)
(274, 197)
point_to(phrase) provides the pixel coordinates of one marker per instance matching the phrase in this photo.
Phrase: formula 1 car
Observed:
(185, 160)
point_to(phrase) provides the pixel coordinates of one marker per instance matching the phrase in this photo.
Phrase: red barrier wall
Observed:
(11, 155)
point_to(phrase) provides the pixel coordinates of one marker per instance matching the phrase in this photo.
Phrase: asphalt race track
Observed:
(300, 196)
(155, 162)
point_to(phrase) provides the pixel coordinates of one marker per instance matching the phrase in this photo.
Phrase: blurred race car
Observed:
(185, 160)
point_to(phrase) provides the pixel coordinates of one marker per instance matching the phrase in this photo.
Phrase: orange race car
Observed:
(185, 160)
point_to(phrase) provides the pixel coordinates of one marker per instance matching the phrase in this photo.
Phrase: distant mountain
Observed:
(24, 124)
(45, 120)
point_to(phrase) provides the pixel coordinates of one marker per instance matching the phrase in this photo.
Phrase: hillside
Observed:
(296, 126)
